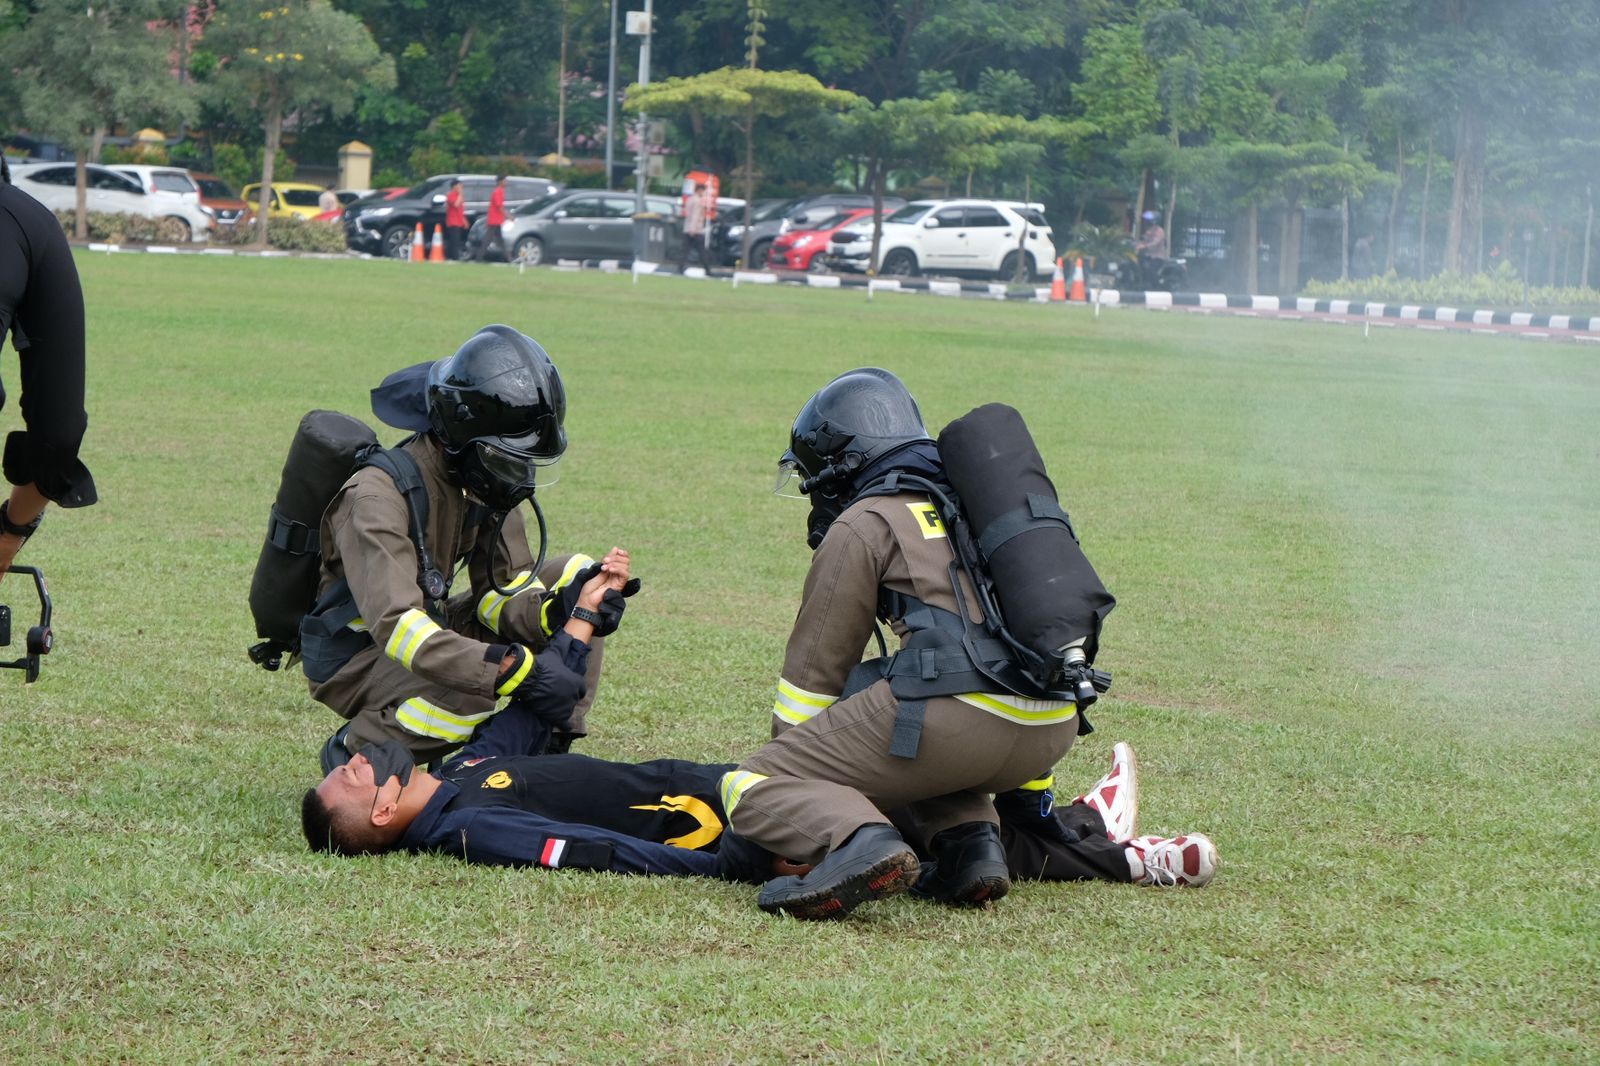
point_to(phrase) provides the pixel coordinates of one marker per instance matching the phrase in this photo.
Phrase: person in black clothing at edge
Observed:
(499, 802)
(41, 306)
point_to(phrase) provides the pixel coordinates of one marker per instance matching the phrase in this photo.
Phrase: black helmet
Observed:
(497, 406)
(852, 422)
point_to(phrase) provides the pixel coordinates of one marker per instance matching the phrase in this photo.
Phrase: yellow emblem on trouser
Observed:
(498, 779)
(710, 824)
(928, 520)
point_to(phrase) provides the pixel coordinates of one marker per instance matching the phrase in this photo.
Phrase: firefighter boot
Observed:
(875, 862)
(970, 866)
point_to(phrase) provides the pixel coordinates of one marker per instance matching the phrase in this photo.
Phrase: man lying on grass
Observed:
(495, 803)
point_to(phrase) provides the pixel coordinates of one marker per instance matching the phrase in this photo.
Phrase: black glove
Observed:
(546, 688)
(1033, 811)
(610, 611)
(565, 598)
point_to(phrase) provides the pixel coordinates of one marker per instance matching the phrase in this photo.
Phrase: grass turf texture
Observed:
(1355, 643)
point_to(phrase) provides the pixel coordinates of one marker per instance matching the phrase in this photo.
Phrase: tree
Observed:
(275, 59)
(909, 132)
(739, 95)
(79, 69)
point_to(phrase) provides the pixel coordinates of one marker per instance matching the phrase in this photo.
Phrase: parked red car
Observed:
(801, 249)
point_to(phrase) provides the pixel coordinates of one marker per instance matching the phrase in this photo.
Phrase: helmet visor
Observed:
(515, 469)
(789, 478)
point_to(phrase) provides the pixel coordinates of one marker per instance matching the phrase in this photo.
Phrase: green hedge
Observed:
(117, 228)
(1499, 290)
(290, 234)
(293, 234)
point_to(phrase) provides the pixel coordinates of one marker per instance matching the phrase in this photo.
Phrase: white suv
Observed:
(952, 237)
(55, 186)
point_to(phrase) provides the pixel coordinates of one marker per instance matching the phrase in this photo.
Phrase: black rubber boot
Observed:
(334, 753)
(970, 866)
(875, 862)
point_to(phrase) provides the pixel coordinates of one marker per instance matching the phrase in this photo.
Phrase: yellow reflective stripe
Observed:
(1021, 709)
(413, 630)
(430, 720)
(492, 603)
(568, 572)
(358, 624)
(795, 705)
(1039, 784)
(733, 786)
(509, 685)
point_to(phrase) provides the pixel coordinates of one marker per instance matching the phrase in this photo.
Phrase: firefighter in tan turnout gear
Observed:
(387, 645)
(926, 733)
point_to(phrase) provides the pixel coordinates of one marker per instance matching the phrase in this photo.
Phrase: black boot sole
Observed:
(980, 891)
(890, 875)
(980, 888)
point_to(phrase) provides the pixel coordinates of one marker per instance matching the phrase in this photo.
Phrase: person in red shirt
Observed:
(492, 237)
(455, 221)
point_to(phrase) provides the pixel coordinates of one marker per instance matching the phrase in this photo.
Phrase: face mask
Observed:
(824, 509)
(390, 759)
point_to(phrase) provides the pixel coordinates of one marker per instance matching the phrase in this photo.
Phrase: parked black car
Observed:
(384, 227)
(727, 235)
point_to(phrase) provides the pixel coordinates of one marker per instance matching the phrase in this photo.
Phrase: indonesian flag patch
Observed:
(553, 850)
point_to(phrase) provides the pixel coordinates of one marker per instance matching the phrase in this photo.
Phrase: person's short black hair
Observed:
(316, 822)
(498, 178)
(327, 831)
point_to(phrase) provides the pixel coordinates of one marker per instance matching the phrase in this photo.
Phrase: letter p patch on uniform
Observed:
(927, 520)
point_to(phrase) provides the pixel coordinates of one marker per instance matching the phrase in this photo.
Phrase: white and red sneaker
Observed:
(1116, 795)
(1188, 861)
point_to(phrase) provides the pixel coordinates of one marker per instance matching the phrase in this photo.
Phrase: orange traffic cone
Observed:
(1077, 292)
(417, 255)
(1058, 282)
(436, 251)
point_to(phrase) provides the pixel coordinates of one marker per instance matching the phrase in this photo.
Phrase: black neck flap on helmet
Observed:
(854, 422)
(497, 406)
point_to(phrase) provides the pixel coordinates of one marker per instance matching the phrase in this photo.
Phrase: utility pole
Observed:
(611, 101)
(645, 28)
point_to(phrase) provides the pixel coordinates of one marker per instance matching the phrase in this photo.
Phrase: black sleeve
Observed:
(48, 331)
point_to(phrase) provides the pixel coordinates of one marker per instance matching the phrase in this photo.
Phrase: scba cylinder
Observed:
(1047, 590)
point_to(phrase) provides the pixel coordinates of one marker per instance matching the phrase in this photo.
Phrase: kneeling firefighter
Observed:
(970, 705)
(386, 644)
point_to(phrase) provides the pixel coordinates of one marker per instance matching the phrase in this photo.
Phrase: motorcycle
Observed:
(1151, 274)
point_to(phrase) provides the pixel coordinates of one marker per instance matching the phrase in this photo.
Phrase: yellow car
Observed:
(288, 198)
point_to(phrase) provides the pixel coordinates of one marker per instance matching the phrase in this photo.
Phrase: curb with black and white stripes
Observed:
(1523, 323)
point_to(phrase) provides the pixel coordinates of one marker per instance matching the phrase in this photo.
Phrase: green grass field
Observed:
(1356, 643)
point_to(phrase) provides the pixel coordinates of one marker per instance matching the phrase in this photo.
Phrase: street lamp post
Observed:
(611, 100)
(645, 28)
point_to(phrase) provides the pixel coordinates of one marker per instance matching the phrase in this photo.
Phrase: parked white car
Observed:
(952, 237)
(54, 185)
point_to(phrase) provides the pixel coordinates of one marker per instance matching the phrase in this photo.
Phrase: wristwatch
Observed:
(12, 529)
(583, 614)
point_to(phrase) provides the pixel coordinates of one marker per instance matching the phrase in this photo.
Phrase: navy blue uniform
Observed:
(501, 806)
